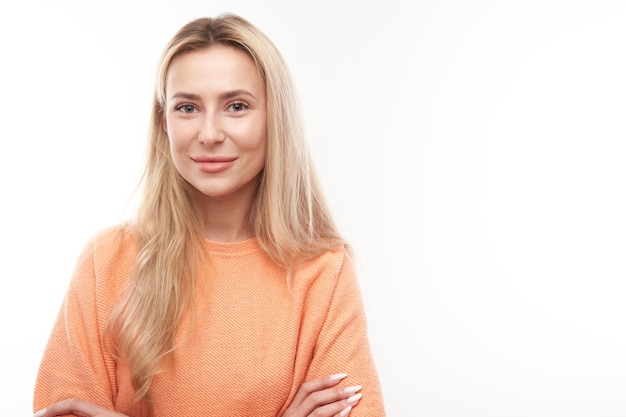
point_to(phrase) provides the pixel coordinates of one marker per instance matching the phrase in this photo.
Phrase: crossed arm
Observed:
(317, 398)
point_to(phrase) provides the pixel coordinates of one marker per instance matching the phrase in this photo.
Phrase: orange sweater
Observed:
(253, 339)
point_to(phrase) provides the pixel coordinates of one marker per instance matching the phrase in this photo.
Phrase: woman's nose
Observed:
(211, 131)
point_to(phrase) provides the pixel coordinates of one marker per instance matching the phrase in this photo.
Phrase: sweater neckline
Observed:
(239, 248)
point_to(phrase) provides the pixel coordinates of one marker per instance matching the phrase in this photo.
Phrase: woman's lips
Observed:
(213, 164)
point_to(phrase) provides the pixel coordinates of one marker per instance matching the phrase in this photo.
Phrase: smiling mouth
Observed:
(213, 165)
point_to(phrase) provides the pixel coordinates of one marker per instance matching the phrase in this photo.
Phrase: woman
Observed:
(232, 293)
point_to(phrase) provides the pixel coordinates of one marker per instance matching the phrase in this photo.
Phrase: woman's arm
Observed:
(319, 396)
(77, 407)
(343, 344)
(76, 363)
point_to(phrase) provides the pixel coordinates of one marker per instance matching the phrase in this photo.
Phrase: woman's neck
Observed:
(224, 220)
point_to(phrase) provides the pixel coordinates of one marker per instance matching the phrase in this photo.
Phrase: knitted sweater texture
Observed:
(252, 341)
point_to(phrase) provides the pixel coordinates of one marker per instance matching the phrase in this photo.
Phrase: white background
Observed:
(472, 151)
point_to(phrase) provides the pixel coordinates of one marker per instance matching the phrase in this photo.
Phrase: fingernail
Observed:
(352, 389)
(338, 377)
(345, 411)
(354, 398)
(40, 413)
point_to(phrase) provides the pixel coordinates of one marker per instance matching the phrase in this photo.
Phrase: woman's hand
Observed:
(315, 398)
(78, 407)
(320, 398)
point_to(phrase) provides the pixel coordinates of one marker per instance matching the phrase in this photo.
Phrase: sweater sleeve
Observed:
(74, 364)
(343, 345)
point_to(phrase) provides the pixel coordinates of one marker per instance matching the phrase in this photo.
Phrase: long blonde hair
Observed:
(288, 216)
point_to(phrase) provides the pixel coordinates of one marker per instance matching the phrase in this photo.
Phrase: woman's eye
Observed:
(238, 106)
(186, 108)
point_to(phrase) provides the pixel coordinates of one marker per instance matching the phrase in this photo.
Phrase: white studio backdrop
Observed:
(473, 153)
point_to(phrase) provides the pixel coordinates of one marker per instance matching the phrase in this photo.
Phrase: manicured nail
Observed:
(338, 377)
(354, 398)
(352, 389)
(40, 413)
(345, 411)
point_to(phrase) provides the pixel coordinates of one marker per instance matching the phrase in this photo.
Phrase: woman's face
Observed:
(215, 118)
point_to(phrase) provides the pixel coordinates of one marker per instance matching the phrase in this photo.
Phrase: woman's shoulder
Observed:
(327, 265)
(335, 254)
(112, 242)
(106, 261)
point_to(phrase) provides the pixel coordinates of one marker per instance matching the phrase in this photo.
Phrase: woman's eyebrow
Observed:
(235, 93)
(222, 96)
(187, 96)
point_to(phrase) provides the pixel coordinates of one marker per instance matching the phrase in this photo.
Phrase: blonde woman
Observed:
(232, 293)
